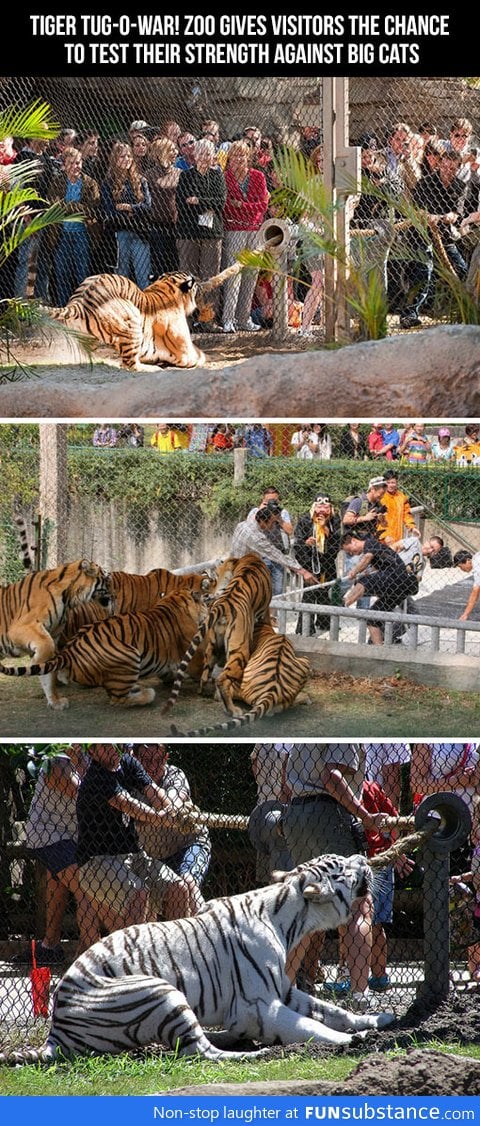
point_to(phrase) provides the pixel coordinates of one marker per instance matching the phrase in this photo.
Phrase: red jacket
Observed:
(254, 200)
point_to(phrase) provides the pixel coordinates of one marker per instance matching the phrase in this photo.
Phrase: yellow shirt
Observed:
(397, 517)
(165, 443)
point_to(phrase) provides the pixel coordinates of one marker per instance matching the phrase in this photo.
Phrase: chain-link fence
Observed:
(177, 222)
(357, 549)
(97, 837)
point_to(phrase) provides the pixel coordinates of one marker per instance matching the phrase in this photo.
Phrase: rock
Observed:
(434, 372)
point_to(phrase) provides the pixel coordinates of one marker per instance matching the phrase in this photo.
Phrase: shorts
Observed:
(383, 887)
(111, 879)
(56, 856)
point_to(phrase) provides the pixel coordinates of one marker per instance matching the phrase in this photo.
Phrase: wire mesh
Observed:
(163, 117)
(168, 504)
(100, 836)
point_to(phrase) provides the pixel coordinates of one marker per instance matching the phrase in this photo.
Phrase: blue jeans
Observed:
(72, 261)
(277, 573)
(134, 259)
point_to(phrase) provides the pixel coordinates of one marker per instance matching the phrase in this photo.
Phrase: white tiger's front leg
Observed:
(278, 1024)
(335, 1017)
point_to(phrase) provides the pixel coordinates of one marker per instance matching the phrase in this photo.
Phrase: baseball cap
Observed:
(137, 126)
(375, 482)
(444, 432)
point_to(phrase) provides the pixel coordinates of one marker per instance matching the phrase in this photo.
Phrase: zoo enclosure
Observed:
(134, 509)
(299, 112)
(221, 780)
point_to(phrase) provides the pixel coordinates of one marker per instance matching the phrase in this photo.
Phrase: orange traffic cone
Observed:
(40, 979)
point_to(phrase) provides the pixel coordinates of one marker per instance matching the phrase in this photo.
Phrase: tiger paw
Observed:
(59, 703)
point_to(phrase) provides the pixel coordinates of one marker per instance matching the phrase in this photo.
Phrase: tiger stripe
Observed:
(164, 983)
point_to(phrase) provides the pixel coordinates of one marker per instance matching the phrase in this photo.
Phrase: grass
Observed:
(342, 705)
(121, 1075)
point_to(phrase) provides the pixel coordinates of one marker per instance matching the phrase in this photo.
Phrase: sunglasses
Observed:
(322, 500)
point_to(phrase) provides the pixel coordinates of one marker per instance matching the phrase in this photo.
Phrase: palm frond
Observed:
(33, 121)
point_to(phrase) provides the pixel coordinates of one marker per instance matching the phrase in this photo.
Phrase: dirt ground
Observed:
(420, 1072)
(341, 706)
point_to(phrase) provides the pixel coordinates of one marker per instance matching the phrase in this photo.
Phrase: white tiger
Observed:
(224, 968)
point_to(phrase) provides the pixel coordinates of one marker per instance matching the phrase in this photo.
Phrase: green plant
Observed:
(23, 213)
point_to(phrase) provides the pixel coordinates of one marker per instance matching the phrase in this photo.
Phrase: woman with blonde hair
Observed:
(163, 181)
(127, 202)
(245, 209)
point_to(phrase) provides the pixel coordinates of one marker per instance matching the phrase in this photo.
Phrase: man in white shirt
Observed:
(252, 535)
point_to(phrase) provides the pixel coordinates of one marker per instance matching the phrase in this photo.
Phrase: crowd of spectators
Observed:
(151, 200)
(411, 444)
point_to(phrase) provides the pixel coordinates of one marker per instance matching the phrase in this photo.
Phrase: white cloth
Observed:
(476, 568)
(378, 755)
(447, 757)
(52, 816)
(270, 760)
(306, 761)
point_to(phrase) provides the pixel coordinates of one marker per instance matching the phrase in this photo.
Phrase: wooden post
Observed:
(53, 491)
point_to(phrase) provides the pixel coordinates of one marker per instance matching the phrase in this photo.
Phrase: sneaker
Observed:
(341, 984)
(44, 955)
(228, 327)
(250, 326)
(379, 983)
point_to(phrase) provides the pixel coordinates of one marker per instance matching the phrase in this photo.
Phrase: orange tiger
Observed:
(242, 599)
(144, 326)
(117, 653)
(33, 610)
(131, 593)
(272, 681)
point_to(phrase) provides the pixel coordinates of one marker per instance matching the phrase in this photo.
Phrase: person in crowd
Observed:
(375, 440)
(171, 130)
(364, 511)
(473, 877)
(253, 535)
(140, 146)
(263, 159)
(200, 199)
(166, 439)
(414, 444)
(469, 563)
(398, 517)
(437, 553)
(320, 441)
(379, 572)
(131, 434)
(370, 206)
(186, 147)
(35, 253)
(316, 545)
(384, 763)
(258, 440)
(126, 201)
(163, 182)
(51, 838)
(302, 443)
(187, 853)
(352, 442)
(221, 439)
(436, 767)
(104, 435)
(71, 240)
(443, 446)
(265, 822)
(390, 442)
(279, 535)
(245, 209)
(113, 871)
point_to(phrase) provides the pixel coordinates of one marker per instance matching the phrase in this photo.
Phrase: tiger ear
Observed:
(89, 568)
(188, 284)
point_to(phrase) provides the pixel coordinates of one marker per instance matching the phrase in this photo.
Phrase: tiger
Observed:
(242, 600)
(33, 610)
(145, 327)
(130, 593)
(116, 653)
(272, 681)
(164, 983)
